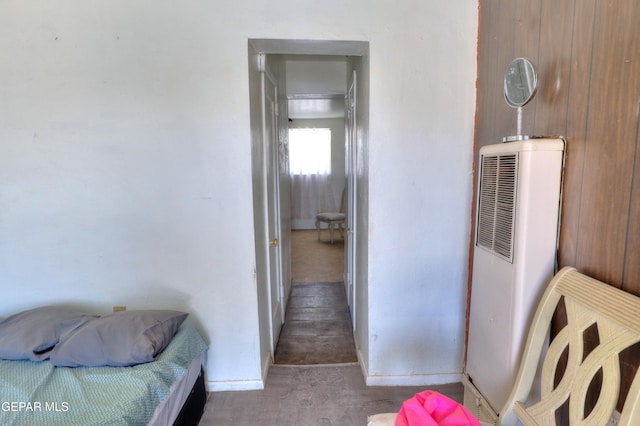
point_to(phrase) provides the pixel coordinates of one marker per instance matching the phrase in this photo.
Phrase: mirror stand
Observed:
(519, 136)
(520, 81)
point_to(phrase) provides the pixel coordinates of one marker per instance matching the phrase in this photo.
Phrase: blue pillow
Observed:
(120, 339)
(32, 334)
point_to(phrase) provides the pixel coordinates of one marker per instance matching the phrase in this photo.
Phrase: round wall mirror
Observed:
(520, 82)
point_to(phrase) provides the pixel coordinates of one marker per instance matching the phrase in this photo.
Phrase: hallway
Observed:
(317, 327)
(316, 261)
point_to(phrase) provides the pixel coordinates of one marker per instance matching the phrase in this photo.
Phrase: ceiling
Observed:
(316, 106)
(316, 85)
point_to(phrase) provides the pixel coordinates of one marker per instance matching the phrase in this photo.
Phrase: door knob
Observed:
(274, 242)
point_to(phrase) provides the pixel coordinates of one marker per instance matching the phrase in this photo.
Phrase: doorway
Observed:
(317, 327)
(279, 51)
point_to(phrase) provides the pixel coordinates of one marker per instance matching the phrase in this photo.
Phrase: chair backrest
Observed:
(589, 303)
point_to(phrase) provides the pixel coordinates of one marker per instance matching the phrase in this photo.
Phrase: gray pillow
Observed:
(32, 334)
(119, 339)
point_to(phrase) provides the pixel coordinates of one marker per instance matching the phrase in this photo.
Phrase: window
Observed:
(310, 151)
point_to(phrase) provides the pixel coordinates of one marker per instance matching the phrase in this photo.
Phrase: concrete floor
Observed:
(312, 396)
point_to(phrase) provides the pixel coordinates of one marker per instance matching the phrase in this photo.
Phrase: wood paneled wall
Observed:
(587, 54)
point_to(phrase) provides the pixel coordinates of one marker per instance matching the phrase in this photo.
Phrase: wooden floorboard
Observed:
(317, 327)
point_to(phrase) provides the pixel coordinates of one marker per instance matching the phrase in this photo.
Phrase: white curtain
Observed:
(310, 195)
(310, 168)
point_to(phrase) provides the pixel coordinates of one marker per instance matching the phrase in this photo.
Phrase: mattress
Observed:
(39, 393)
(168, 410)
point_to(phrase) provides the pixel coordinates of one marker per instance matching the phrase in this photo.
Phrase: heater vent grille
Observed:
(497, 204)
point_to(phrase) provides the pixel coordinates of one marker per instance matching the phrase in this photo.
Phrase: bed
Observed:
(167, 390)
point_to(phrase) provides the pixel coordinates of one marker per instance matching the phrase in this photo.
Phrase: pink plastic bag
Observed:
(431, 408)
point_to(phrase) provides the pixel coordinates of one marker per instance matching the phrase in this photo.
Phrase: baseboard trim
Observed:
(363, 367)
(265, 368)
(413, 380)
(235, 385)
(303, 224)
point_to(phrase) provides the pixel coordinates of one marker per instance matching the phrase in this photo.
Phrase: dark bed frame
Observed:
(193, 407)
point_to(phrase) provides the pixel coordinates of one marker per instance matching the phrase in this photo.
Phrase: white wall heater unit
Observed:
(514, 258)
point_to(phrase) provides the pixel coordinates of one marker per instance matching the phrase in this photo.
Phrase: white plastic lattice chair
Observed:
(589, 304)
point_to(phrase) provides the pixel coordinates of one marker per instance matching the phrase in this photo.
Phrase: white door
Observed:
(271, 167)
(350, 171)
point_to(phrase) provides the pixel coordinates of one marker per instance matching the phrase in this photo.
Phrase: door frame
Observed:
(351, 184)
(271, 188)
(263, 48)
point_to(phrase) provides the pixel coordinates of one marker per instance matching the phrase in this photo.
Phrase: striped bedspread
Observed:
(36, 393)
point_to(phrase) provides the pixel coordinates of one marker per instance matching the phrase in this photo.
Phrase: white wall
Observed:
(316, 75)
(125, 166)
(420, 174)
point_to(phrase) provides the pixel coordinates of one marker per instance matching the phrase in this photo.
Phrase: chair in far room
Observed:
(333, 219)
